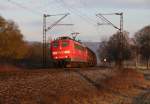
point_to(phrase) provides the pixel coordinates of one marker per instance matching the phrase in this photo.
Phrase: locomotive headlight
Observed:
(54, 53)
(66, 52)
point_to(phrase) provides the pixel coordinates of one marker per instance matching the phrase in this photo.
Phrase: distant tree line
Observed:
(120, 47)
(14, 50)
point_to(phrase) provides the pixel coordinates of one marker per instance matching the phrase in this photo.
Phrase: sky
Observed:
(28, 14)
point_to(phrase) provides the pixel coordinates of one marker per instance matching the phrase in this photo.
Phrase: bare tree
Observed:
(143, 43)
(117, 49)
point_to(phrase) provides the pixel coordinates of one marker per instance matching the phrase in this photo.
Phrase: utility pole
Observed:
(107, 22)
(48, 28)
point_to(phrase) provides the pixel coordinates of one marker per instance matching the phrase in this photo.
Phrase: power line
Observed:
(24, 7)
(47, 28)
(82, 15)
(77, 12)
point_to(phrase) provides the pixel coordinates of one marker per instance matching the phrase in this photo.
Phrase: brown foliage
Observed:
(35, 52)
(12, 46)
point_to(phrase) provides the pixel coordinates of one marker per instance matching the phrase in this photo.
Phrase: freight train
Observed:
(67, 52)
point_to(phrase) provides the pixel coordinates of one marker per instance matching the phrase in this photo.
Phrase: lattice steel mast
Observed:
(45, 29)
(107, 22)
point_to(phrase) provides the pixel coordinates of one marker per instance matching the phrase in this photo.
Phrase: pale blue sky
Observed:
(82, 14)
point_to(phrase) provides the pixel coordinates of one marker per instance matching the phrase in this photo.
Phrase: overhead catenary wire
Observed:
(77, 12)
(72, 29)
(80, 14)
(84, 15)
(25, 7)
(107, 21)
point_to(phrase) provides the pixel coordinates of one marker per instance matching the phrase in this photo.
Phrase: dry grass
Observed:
(8, 68)
(71, 87)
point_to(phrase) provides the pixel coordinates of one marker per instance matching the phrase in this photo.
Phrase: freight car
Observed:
(67, 52)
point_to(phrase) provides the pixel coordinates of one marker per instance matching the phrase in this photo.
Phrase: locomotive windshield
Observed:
(65, 44)
(55, 44)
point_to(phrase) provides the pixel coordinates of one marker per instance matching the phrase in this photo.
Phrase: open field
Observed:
(76, 86)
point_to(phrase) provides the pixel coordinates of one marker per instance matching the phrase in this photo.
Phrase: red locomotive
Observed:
(68, 52)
